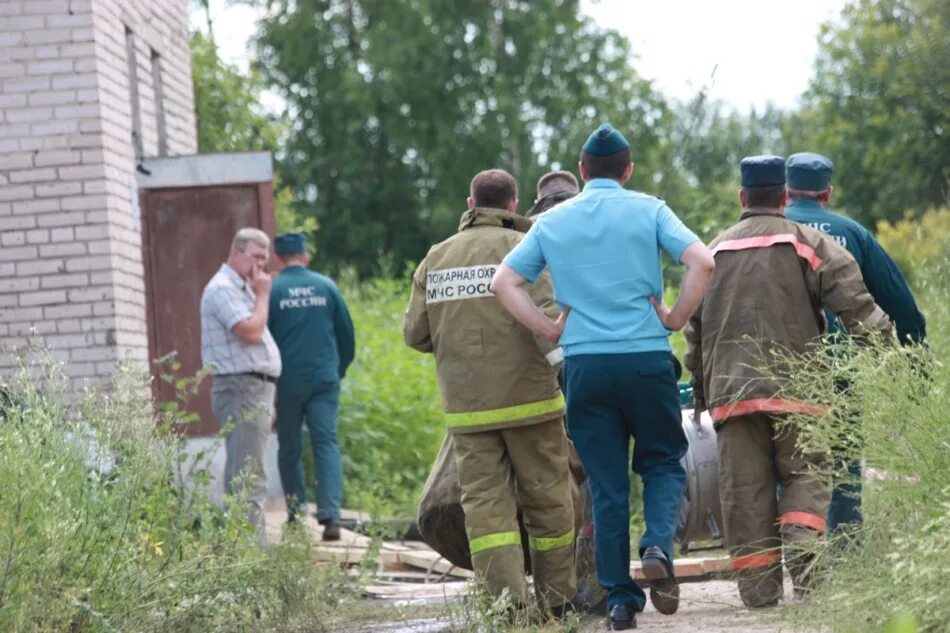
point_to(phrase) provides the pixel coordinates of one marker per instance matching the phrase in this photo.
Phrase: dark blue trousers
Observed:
(315, 405)
(611, 399)
(844, 513)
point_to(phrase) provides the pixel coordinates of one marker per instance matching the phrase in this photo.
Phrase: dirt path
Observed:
(708, 607)
(705, 607)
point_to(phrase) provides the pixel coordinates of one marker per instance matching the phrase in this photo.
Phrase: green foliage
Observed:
(230, 119)
(917, 244)
(390, 421)
(894, 575)
(96, 535)
(878, 106)
(227, 103)
(396, 105)
(701, 154)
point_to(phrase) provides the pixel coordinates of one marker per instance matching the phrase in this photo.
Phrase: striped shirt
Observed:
(226, 301)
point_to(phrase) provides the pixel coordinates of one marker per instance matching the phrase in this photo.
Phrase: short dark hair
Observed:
(566, 180)
(806, 194)
(611, 166)
(768, 197)
(494, 188)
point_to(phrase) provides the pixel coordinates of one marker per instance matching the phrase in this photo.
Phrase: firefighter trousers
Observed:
(500, 471)
(774, 498)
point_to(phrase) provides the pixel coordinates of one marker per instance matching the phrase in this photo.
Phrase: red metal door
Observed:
(187, 233)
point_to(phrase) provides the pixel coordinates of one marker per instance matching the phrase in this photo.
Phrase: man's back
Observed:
(772, 278)
(884, 280)
(603, 250)
(485, 360)
(311, 326)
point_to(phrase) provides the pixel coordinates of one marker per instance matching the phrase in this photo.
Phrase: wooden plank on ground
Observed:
(415, 591)
(691, 569)
(433, 562)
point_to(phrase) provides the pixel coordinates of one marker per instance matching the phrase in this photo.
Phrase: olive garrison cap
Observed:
(290, 244)
(809, 172)
(762, 171)
(605, 141)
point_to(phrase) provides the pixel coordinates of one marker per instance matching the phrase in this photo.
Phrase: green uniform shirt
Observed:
(312, 327)
(881, 275)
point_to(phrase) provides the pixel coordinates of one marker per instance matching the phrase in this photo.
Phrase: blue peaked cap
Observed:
(808, 172)
(290, 244)
(605, 141)
(762, 171)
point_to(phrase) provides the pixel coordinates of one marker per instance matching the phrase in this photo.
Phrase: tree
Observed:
(878, 106)
(229, 117)
(395, 105)
(227, 103)
(704, 145)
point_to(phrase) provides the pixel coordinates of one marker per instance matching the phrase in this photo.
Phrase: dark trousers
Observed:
(611, 399)
(844, 513)
(315, 405)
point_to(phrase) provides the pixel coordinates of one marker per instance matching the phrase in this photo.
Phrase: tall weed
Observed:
(390, 420)
(96, 535)
(896, 569)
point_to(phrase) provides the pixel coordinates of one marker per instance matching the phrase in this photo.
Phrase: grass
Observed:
(893, 576)
(390, 420)
(96, 535)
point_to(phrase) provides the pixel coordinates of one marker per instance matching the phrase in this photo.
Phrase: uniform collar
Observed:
(602, 183)
(749, 212)
(483, 216)
(806, 205)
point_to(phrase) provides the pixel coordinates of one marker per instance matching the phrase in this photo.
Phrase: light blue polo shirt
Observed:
(603, 250)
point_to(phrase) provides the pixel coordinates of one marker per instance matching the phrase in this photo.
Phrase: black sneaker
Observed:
(331, 529)
(664, 590)
(621, 618)
(563, 611)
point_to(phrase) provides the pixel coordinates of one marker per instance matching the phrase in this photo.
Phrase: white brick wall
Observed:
(70, 250)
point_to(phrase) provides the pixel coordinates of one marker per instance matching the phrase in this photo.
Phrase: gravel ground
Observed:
(708, 607)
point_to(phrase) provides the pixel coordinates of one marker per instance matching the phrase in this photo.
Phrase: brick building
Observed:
(87, 88)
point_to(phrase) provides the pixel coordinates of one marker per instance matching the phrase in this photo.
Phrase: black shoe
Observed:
(621, 618)
(331, 529)
(664, 590)
(563, 611)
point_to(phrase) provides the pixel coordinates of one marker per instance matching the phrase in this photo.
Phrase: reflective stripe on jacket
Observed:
(492, 371)
(764, 301)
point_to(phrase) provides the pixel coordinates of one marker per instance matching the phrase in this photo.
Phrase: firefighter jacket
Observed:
(493, 372)
(764, 302)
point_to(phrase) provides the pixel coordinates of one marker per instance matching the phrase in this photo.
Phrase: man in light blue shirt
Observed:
(603, 250)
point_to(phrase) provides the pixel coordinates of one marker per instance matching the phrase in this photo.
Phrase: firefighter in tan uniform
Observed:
(772, 278)
(501, 398)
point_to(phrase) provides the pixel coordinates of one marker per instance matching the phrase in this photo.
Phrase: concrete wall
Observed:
(70, 231)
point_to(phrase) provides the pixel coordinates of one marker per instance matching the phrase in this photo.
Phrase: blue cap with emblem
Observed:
(605, 141)
(809, 172)
(290, 244)
(762, 171)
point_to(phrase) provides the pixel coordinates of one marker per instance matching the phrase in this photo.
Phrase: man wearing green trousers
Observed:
(313, 330)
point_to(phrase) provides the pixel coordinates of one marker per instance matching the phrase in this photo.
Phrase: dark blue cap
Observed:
(290, 244)
(605, 141)
(809, 172)
(762, 171)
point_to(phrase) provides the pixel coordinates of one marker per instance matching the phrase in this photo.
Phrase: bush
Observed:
(894, 575)
(391, 421)
(95, 535)
(917, 244)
